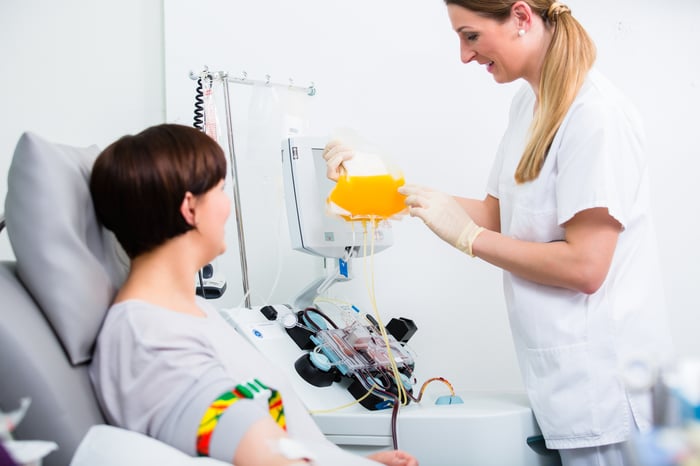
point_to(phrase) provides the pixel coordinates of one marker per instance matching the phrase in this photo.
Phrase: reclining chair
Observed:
(53, 299)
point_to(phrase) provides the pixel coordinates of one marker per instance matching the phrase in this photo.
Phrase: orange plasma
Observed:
(369, 196)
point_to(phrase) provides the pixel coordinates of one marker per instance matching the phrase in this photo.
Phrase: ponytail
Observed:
(569, 58)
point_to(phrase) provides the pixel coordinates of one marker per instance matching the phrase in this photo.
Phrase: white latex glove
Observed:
(335, 153)
(442, 214)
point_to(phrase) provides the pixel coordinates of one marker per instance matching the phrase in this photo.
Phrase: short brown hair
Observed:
(139, 182)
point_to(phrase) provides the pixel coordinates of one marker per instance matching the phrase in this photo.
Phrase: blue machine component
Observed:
(449, 400)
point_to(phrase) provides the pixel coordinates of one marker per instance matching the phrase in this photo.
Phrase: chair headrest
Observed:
(66, 260)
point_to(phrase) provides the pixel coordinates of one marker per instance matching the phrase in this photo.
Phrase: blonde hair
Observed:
(570, 56)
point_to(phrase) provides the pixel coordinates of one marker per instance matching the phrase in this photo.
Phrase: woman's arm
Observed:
(261, 444)
(580, 262)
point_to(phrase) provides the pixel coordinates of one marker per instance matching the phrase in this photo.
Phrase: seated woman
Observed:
(166, 364)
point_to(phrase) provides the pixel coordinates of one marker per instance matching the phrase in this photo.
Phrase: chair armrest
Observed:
(111, 446)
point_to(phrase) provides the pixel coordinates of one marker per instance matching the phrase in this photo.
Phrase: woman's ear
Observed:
(521, 13)
(187, 208)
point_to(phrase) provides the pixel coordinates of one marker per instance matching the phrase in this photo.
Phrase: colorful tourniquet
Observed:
(249, 390)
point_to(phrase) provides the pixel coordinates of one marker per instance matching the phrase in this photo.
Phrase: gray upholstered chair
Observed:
(54, 295)
(53, 298)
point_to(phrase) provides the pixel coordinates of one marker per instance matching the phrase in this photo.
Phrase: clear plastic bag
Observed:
(368, 189)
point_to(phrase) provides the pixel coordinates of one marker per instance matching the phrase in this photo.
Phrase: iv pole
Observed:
(223, 76)
(236, 197)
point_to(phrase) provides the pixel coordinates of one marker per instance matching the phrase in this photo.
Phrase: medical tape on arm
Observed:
(249, 390)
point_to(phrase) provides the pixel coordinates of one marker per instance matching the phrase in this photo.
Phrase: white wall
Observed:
(391, 72)
(78, 72)
(84, 72)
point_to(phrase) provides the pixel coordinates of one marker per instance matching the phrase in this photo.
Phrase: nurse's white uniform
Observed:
(573, 347)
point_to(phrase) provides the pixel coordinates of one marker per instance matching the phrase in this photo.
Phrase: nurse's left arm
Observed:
(580, 262)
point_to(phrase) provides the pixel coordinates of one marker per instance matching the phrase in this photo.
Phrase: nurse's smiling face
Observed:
(492, 43)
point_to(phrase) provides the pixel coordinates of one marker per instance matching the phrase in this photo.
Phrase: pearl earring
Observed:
(521, 32)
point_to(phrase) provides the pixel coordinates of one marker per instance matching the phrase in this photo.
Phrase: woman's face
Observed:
(213, 209)
(489, 42)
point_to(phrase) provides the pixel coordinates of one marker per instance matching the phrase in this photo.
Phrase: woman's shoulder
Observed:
(601, 104)
(127, 310)
(598, 91)
(125, 322)
(140, 334)
(141, 321)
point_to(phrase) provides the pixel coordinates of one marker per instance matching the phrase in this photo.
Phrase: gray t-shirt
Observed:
(156, 371)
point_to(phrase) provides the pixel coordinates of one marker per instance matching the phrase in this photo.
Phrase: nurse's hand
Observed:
(335, 153)
(394, 458)
(442, 214)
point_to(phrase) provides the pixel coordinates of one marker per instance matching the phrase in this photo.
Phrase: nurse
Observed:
(567, 216)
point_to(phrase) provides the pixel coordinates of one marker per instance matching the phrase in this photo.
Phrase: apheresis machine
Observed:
(358, 375)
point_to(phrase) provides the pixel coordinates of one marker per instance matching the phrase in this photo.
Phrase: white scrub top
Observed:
(573, 347)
